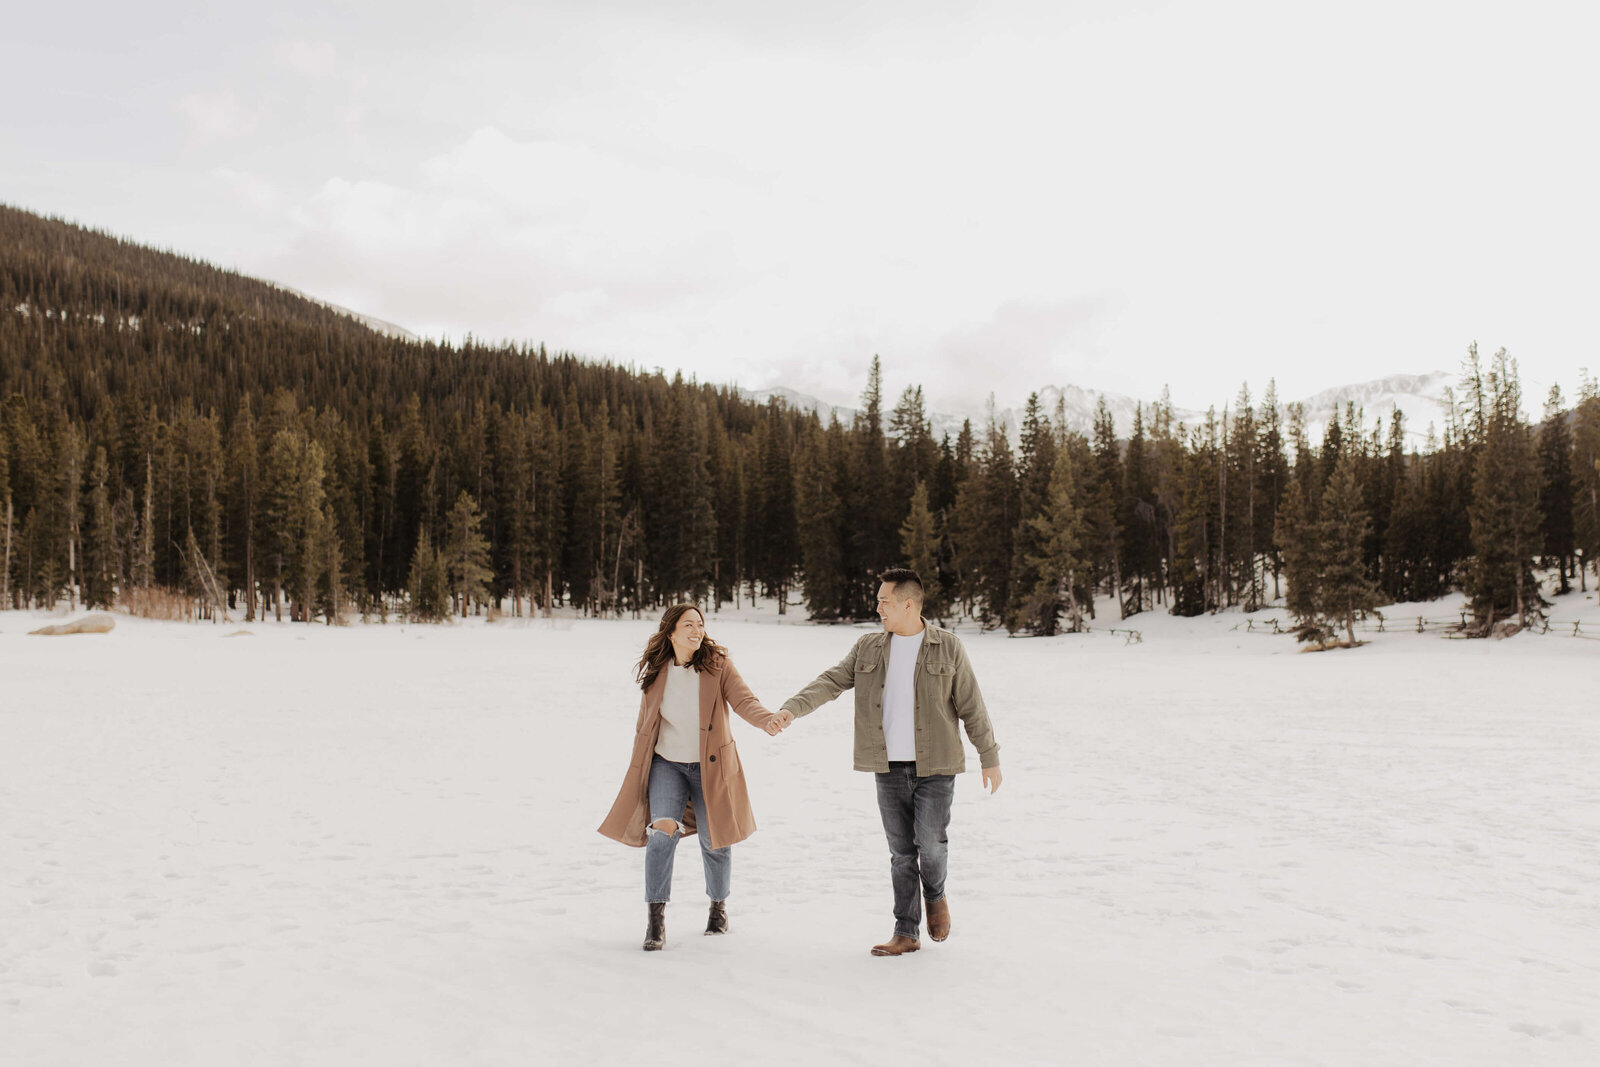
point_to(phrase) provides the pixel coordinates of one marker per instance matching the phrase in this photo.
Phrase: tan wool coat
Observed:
(728, 813)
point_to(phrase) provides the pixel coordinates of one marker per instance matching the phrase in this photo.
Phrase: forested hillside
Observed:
(168, 426)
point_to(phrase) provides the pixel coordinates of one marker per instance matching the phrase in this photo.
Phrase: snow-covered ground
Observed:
(376, 845)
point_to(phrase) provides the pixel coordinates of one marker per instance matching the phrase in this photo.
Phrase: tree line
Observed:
(165, 425)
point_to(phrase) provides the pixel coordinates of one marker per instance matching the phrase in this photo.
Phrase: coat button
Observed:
(713, 759)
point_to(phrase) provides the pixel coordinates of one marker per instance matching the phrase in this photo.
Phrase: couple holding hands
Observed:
(913, 682)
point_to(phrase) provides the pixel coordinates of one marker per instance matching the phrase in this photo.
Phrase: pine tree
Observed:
(987, 510)
(308, 531)
(726, 468)
(1505, 508)
(144, 551)
(1345, 590)
(69, 468)
(244, 477)
(1167, 461)
(428, 586)
(1239, 521)
(1061, 560)
(281, 483)
(331, 580)
(1106, 512)
(1405, 568)
(1555, 491)
(817, 508)
(100, 564)
(5, 518)
(1272, 480)
(913, 454)
(919, 547)
(1298, 538)
(1036, 462)
(1195, 585)
(549, 517)
(466, 555)
(770, 514)
(1586, 480)
(1137, 517)
(871, 517)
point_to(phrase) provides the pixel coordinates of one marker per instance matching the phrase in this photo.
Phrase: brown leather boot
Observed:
(939, 919)
(655, 935)
(896, 946)
(717, 921)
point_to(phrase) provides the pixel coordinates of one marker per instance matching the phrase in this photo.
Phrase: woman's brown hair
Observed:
(658, 650)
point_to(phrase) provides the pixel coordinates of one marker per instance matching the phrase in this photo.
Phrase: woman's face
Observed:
(687, 635)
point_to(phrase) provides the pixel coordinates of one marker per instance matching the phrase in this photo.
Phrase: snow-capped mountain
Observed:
(1421, 397)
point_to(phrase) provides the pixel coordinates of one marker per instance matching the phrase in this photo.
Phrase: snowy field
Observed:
(376, 845)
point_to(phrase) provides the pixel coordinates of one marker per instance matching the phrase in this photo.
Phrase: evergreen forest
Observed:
(180, 439)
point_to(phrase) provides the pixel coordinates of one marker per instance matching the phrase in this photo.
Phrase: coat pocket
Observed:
(727, 760)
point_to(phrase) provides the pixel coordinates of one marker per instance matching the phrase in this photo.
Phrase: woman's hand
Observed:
(774, 726)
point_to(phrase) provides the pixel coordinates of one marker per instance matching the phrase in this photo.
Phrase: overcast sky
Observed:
(1116, 194)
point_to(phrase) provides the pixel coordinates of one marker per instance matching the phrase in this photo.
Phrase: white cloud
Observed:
(251, 190)
(309, 59)
(218, 116)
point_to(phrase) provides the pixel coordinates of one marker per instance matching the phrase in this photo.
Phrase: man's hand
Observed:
(785, 717)
(778, 723)
(991, 778)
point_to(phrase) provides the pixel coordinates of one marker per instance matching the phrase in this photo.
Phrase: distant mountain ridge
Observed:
(1421, 398)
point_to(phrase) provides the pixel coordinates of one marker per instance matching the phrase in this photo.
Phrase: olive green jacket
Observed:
(945, 690)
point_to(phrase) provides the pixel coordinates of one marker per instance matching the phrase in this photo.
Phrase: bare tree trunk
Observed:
(5, 574)
(1116, 579)
(1074, 613)
(249, 565)
(208, 578)
(1224, 577)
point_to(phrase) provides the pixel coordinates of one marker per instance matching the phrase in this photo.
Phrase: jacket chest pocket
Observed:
(865, 670)
(938, 679)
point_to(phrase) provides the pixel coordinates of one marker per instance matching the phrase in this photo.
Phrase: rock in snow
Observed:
(98, 623)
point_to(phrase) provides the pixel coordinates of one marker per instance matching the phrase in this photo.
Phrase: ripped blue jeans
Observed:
(672, 785)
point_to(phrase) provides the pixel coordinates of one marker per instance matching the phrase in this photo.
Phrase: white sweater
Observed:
(679, 740)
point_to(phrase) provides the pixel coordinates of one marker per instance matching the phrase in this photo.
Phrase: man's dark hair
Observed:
(906, 582)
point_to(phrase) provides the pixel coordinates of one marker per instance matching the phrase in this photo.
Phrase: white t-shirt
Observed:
(899, 696)
(679, 739)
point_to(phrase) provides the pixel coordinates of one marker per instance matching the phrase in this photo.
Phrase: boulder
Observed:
(98, 623)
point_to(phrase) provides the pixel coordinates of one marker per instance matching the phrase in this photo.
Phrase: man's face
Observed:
(893, 610)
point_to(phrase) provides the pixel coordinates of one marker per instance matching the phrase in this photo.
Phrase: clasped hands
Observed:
(779, 722)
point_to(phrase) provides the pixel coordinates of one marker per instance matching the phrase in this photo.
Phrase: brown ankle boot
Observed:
(717, 921)
(655, 935)
(897, 946)
(939, 919)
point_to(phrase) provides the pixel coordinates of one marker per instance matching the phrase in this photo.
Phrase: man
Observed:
(912, 683)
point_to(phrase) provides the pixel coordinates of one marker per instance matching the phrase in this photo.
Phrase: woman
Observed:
(685, 775)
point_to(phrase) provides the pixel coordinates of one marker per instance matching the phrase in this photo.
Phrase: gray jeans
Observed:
(672, 785)
(916, 813)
